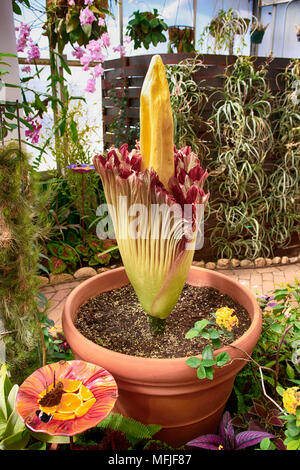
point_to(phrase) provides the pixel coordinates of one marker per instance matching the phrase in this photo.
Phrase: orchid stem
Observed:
(157, 325)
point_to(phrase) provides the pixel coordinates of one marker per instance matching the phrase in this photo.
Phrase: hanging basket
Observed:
(182, 38)
(257, 36)
(298, 37)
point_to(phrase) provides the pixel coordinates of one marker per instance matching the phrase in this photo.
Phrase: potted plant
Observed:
(181, 38)
(298, 32)
(160, 184)
(146, 28)
(257, 32)
(224, 28)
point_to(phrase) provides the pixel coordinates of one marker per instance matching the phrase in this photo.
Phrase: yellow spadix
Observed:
(156, 122)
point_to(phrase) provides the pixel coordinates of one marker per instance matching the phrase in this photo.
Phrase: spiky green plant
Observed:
(284, 196)
(242, 140)
(19, 254)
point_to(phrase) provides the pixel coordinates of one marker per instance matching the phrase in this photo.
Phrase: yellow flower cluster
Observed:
(291, 399)
(225, 319)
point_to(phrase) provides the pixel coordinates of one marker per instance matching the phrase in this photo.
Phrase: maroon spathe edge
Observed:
(185, 187)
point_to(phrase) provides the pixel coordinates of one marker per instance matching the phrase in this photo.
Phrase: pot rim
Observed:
(254, 329)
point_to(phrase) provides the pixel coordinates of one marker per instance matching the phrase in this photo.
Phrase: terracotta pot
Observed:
(165, 391)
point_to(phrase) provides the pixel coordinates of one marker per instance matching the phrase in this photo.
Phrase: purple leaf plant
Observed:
(227, 440)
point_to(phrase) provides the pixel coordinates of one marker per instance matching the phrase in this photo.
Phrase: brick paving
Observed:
(258, 280)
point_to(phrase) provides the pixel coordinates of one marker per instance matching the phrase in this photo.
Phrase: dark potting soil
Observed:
(116, 321)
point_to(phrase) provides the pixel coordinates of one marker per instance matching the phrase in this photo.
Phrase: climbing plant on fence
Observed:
(284, 197)
(242, 139)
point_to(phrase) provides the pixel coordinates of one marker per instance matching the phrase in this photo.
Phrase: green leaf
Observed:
(5, 388)
(280, 390)
(16, 8)
(37, 446)
(276, 328)
(87, 29)
(216, 343)
(17, 441)
(293, 445)
(290, 371)
(192, 333)
(222, 358)
(200, 325)
(14, 425)
(266, 444)
(72, 24)
(193, 362)
(207, 352)
(74, 132)
(11, 399)
(201, 372)
(209, 373)
(43, 437)
(208, 362)
(214, 334)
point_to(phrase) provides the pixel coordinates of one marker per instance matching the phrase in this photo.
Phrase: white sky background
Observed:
(174, 12)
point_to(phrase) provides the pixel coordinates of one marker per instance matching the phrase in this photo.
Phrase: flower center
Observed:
(68, 399)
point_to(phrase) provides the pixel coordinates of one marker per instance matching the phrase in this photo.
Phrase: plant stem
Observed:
(277, 354)
(157, 325)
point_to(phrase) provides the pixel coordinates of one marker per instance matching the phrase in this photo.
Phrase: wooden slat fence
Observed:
(123, 79)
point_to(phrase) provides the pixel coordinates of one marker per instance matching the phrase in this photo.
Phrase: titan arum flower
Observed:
(153, 193)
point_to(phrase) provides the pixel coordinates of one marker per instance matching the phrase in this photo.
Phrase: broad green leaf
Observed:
(193, 362)
(43, 437)
(209, 373)
(276, 328)
(2, 426)
(208, 362)
(87, 29)
(192, 333)
(11, 399)
(207, 352)
(37, 446)
(72, 24)
(14, 425)
(214, 334)
(216, 343)
(222, 358)
(16, 8)
(200, 325)
(280, 390)
(201, 372)
(74, 132)
(293, 445)
(290, 371)
(17, 441)
(5, 387)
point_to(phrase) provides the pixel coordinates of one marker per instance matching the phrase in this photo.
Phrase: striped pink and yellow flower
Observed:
(88, 395)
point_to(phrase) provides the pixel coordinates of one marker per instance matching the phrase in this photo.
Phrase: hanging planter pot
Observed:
(257, 36)
(181, 38)
(298, 37)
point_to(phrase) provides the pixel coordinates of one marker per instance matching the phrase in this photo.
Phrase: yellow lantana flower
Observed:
(225, 319)
(291, 399)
